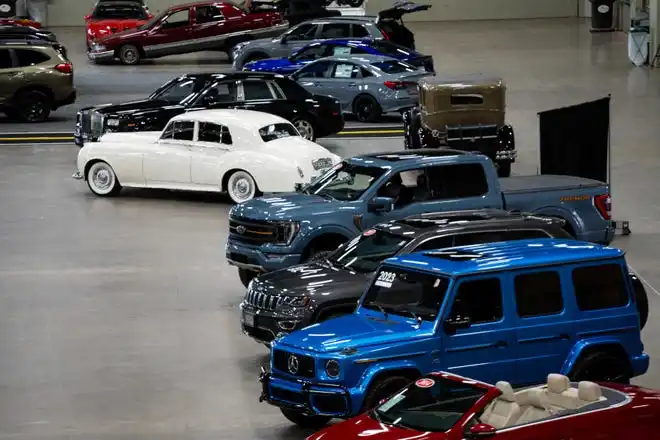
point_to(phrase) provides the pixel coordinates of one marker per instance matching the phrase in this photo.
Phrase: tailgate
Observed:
(425, 62)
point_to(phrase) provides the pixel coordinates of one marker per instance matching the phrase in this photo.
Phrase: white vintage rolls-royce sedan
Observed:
(241, 152)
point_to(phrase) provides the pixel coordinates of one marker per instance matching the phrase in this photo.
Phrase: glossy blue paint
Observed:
(320, 216)
(369, 343)
(301, 57)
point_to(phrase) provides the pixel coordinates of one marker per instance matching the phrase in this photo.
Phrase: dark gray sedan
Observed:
(365, 85)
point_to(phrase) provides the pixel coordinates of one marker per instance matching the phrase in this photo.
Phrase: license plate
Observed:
(248, 319)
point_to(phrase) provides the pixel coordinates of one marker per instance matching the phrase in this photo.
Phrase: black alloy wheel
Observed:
(601, 366)
(32, 106)
(366, 109)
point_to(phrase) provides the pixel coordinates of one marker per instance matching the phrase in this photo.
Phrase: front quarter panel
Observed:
(272, 173)
(125, 159)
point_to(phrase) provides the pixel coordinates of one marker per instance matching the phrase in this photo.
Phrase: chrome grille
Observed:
(323, 163)
(258, 298)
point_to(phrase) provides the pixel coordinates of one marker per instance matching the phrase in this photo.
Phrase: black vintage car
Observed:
(293, 298)
(18, 32)
(314, 116)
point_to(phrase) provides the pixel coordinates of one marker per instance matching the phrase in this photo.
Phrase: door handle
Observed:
(352, 84)
(500, 344)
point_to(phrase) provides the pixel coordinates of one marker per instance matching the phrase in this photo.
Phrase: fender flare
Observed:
(329, 229)
(376, 369)
(584, 345)
(571, 218)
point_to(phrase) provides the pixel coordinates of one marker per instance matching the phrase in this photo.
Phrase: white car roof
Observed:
(245, 119)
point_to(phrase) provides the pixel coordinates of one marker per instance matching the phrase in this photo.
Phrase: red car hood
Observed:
(101, 28)
(365, 427)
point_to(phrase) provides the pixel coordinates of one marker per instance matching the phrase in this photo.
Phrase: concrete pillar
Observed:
(654, 38)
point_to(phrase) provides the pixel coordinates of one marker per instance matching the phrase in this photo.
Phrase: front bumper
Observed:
(252, 258)
(105, 55)
(265, 325)
(77, 175)
(305, 397)
(640, 364)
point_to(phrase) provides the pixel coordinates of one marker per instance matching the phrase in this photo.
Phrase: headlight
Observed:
(286, 232)
(113, 122)
(332, 368)
(296, 301)
(98, 47)
(301, 173)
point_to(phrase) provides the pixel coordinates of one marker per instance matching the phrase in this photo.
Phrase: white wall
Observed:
(71, 12)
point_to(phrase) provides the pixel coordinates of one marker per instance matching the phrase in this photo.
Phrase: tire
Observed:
(315, 254)
(641, 300)
(241, 186)
(246, 276)
(382, 389)
(102, 180)
(412, 123)
(366, 109)
(503, 168)
(603, 366)
(305, 422)
(306, 127)
(129, 55)
(32, 106)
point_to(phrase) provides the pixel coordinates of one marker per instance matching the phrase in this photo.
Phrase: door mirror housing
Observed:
(88, 17)
(381, 204)
(481, 430)
(456, 323)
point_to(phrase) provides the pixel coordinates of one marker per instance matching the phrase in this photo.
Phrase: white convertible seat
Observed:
(504, 410)
(537, 408)
(589, 392)
(561, 395)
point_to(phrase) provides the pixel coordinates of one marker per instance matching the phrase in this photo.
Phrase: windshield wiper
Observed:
(381, 308)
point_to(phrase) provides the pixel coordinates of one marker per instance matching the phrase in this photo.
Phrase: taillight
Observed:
(386, 36)
(398, 85)
(64, 68)
(603, 204)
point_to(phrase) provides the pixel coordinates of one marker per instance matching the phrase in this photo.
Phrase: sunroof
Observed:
(454, 255)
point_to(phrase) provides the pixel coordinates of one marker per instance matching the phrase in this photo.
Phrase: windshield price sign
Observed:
(385, 279)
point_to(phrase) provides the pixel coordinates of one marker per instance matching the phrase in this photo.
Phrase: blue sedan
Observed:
(340, 47)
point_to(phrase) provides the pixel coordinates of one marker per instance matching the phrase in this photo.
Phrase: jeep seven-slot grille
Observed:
(283, 363)
(252, 231)
(256, 297)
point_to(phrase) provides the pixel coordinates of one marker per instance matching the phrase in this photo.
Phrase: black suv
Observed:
(293, 298)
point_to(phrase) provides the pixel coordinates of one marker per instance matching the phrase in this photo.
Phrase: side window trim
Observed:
(277, 91)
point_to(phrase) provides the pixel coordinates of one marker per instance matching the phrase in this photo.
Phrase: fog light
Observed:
(332, 368)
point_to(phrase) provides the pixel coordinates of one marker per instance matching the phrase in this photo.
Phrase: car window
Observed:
(311, 53)
(277, 131)
(5, 59)
(291, 89)
(405, 187)
(393, 67)
(346, 71)
(600, 287)
(177, 19)
(302, 32)
(335, 30)
(214, 133)
(256, 90)
(456, 181)
(495, 236)
(208, 14)
(179, 131)
(345, 182)
(177, 90)
(315, 70)
(479, 300)
(359, 31)
(436, 243)
(538, 294)
(119, 11)
(366, 251)
(218, 93)
(28, 57)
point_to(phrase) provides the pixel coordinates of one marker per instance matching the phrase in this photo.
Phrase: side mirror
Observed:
(88, 17)
(381, 204)
(456, 323)
(481, 430)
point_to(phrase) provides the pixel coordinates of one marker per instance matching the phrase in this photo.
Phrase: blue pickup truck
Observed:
(513, 310)
(274, 232)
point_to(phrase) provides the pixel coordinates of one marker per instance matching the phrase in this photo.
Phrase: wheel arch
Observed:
(380, 371)
(34, 88)
(362, 95)
(327, 237)
(329, 307)
(139, 47)
(573, 224)
(227, 174)
(586, 347)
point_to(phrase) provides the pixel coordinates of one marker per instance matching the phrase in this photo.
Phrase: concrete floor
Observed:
(119, 319)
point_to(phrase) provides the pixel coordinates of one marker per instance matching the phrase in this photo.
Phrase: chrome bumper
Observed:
(98, 56)
(77, 175)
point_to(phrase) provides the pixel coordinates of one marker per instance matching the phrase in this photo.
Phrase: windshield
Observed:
(395, 67)
(365, 252)
(277, 131)
(408, 293)
(153, 21)
(345, 182)
(119, 12)
(179, 89)
(431, 404)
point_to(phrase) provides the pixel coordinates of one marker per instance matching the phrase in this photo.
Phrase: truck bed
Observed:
(545, 183)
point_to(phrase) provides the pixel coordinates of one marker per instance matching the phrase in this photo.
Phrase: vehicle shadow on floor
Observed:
(175, 196)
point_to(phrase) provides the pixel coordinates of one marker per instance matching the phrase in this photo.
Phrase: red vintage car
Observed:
(21, 21)
(110, 17)
(193, 27)
(443, 406)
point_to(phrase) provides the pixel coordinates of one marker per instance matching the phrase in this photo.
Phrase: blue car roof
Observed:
(403, 159)
(505, 255)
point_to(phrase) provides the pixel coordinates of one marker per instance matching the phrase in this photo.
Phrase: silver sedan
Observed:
(366, 85)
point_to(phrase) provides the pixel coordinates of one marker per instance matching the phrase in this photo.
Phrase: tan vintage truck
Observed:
(466, 113)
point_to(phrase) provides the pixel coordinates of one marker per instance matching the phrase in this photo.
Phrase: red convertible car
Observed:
(193, 27)
(443, 406)
(110, 17)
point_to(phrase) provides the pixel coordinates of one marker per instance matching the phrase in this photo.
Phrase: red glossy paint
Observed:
(637, 419)
(99, 28)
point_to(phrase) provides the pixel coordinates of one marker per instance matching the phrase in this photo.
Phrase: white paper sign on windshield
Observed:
(385, 279)
(344, 71)
(341, 50)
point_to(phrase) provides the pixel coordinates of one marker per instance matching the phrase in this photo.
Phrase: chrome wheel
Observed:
(129, 55)
(305, 128)
(241, 187)
(102, 180)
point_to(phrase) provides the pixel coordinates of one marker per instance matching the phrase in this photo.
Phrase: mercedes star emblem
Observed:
(240, 229)
(293, 364)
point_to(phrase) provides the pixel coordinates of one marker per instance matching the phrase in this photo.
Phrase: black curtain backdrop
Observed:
(575, 140)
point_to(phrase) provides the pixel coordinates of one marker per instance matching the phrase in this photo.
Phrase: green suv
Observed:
(35, 78)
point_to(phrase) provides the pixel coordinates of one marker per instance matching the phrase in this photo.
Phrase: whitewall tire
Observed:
(102, 180)
(241, 187)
